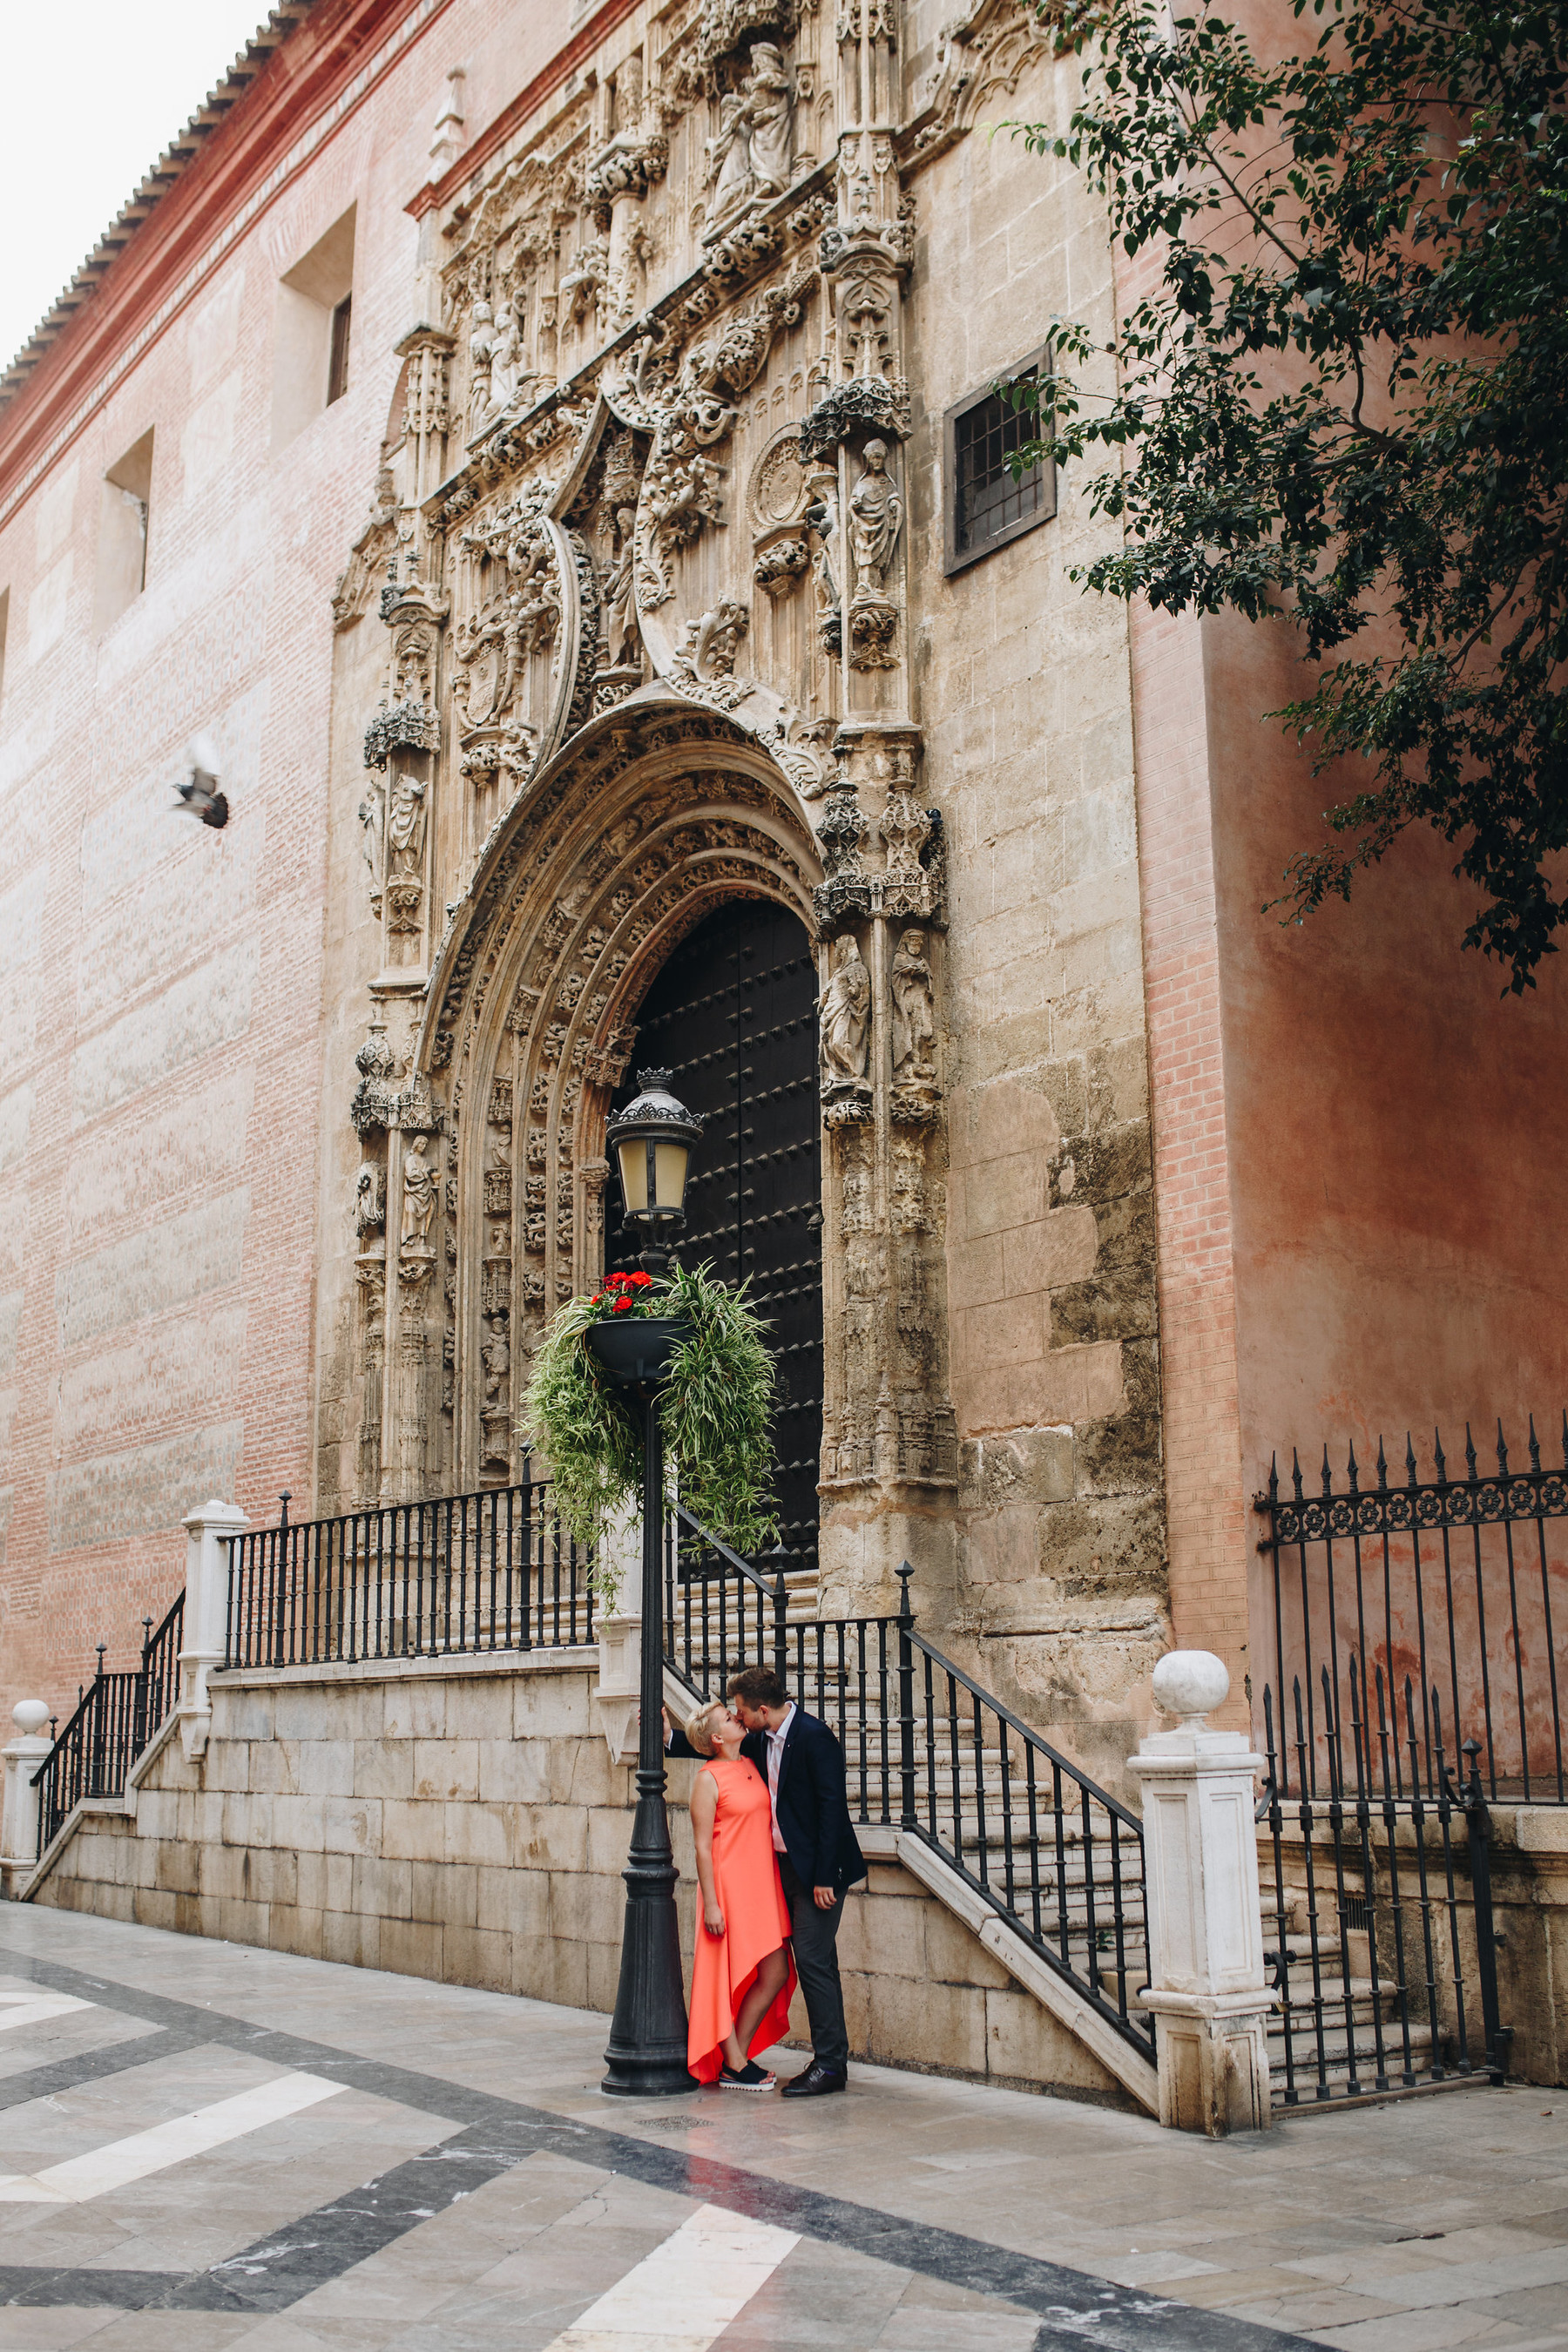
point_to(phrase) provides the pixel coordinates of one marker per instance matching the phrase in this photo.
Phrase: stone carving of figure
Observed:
(749, 157)
(914, 1010)
(418, 1195)
(370, 1208)
(370, 817)
(768, 110)
(728, 170)
(506, 363)
(876, 515)
(481, 351)
(620, 602)
(405, 822)
(822, 515)
(496, 1357)
(846, 1009)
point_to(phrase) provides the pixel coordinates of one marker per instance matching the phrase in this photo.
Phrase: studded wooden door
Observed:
(732, 1017)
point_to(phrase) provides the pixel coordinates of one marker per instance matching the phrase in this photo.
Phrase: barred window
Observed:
(987, 504)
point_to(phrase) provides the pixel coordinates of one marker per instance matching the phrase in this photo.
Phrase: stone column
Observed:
(209, 1530)
(1206, 1985)
(23, 1756)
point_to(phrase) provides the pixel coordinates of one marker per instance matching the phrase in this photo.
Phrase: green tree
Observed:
(1345, 398)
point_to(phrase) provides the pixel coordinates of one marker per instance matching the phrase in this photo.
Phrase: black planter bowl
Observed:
(636, 1350)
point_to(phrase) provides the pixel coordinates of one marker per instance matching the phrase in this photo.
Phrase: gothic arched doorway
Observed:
(732, 1016)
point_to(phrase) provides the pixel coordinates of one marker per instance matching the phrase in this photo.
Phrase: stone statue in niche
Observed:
(748, 159)
(481, 352)
(405, 822)
(822, 517)
(371, 815)
(914, 1009)
(846, 1012)
(370, 1203)
(623, 644)
(876, 516)
(418, 1196)
(496, 1357)
(506, 358)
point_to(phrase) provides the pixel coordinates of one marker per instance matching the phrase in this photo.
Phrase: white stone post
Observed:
(208, 1529)
(620, 1638)
(24, 1803)
(1207, 1984)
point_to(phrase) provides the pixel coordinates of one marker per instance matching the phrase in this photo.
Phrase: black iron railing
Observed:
(116, 1716)
(455, 1573)
(1384, 1949)
(1458, 1584)
(929, 1752)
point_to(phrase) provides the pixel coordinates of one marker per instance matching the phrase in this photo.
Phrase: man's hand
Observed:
(824, 1897)
(664, 1719)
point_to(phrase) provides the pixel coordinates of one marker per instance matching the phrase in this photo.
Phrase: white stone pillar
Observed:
(1207, 1984)
(23, 1756)
(208, 1530)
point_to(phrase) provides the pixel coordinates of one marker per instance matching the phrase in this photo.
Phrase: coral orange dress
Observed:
(756, 1920)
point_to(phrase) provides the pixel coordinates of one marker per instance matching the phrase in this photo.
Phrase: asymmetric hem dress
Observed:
(756, 1920)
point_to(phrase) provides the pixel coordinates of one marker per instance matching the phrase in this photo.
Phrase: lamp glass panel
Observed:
(670, 1174)
(632, 1151)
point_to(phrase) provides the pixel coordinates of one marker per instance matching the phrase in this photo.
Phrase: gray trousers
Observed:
(815, 1934)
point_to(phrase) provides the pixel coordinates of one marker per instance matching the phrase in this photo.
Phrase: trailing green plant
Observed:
(715, 1409)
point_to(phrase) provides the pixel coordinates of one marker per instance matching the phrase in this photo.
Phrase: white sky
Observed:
(98, 88)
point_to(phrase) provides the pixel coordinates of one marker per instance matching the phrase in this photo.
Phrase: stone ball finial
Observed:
(30, 1716)
(1191, 1684)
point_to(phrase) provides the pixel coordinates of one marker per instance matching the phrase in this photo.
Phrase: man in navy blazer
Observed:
(819, 1856)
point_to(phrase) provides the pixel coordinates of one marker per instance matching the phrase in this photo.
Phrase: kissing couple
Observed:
(776, 1852)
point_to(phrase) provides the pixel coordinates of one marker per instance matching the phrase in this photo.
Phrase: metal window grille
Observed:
(991, 498)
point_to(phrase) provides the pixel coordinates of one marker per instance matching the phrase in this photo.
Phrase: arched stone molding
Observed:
(655, 814)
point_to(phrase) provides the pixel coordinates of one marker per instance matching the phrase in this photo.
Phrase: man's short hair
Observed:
(759, 1686)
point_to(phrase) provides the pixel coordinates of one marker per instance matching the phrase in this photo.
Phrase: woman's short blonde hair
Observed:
(697, 1726)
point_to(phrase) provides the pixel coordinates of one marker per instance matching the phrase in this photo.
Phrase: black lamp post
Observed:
(652, 1140)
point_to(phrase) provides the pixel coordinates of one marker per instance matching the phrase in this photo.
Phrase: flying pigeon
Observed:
(199, 794)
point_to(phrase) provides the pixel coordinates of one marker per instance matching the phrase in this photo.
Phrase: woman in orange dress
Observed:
(744, 1973)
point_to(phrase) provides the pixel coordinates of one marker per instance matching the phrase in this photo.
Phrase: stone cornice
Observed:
(266, 120)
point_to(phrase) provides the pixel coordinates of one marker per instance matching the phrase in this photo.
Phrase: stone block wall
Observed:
(1062, 1599)
(465, 1821)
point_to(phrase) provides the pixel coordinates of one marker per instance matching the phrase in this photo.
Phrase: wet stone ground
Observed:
(203, 2145)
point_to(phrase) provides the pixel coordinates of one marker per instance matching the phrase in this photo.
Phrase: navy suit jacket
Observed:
(814, 1810)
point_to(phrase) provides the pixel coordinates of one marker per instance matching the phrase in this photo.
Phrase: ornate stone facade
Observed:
(628, 419)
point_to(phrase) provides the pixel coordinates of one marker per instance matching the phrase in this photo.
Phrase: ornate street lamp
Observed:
(652, 1141)
(647, 2053)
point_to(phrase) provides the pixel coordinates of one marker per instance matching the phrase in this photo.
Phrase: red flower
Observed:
(623, 1305)
(640, 1281)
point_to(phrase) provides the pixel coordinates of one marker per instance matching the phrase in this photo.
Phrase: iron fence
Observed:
(1455, 1584)
(116, 1716)
(1383, 1947)
(451, 1574)
(927, 1750)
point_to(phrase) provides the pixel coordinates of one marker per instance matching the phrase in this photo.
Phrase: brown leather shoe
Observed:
(815, 2083)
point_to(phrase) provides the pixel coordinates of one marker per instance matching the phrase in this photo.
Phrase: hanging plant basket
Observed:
(697, 1345)
(636, 1350)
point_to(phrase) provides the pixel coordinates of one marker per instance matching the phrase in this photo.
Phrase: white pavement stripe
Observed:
(682, 2296)
(124, 2160)
(33, 2012)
